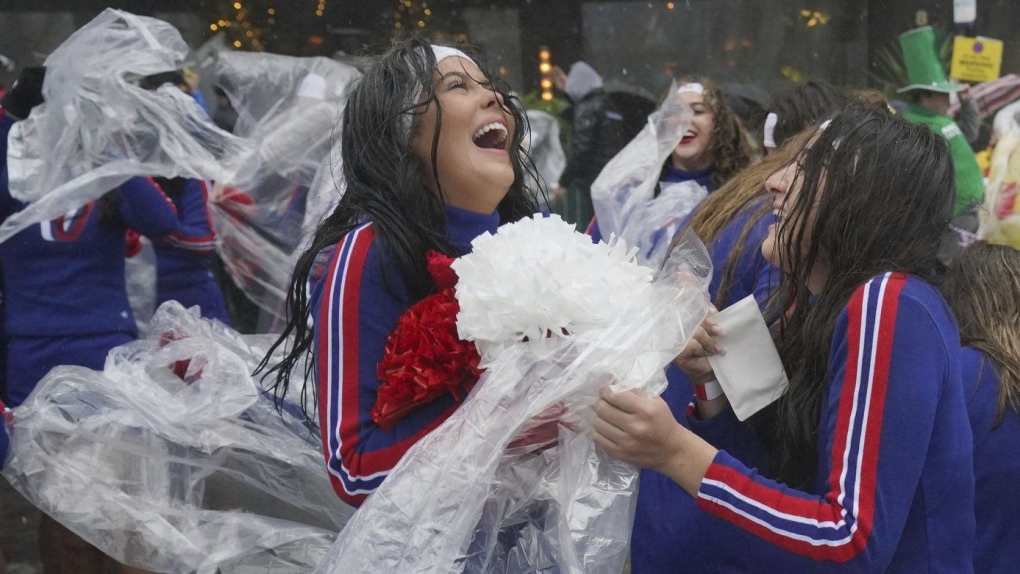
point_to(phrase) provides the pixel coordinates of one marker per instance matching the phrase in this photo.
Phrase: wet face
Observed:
(473, 152)
(785, 187)
(695, 149)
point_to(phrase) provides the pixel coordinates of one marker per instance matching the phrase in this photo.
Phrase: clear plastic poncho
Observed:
(173, 458)
(546, 151)
(477, 494)
(288, 110)
(624, 192)
(97, 129)
(1001, 217)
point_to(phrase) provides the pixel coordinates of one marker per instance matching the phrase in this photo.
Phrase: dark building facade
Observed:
(642, 43)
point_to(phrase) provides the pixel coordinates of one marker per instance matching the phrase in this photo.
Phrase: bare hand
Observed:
(693, 360)
(642, 431)
(635, 429)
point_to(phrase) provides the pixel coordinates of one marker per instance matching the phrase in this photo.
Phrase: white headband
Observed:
(692, 87)
(442, 53)
(770, 130)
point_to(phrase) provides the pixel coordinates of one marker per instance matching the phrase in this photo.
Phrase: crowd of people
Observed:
(852, 227)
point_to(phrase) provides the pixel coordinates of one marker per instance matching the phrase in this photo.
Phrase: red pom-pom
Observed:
(424, 360)
(439, 267)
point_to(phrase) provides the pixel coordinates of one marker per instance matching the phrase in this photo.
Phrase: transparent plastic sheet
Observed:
(624, 192)
(140, 280)
(547, 153)
(1001, 218)
(97, 129)
(175, 476)
(288, 110)
(472, 496)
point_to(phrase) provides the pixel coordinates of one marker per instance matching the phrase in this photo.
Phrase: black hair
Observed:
(156, 80)
(383, 180)
(799, 106)
(876, 196)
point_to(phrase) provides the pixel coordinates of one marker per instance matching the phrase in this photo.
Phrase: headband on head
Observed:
(441, 53)
(770, 130)
(692, 87)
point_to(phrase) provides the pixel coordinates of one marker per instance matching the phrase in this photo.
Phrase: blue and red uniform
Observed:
(64, 291)
(996, 466)
(184, 257)
(894, 490)
(356, 306)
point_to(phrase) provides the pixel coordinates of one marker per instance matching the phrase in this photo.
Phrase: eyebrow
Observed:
(463, 76)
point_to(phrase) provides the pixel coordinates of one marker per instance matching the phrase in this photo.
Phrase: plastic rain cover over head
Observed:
(288, 109)
(173, 459)
(482, 493)
(624, 192)
(546, 151)
(97, 129)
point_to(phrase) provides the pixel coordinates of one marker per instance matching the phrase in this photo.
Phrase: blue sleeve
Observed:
(890, 368)
(357, 310)
(195, 233)
(146, 209)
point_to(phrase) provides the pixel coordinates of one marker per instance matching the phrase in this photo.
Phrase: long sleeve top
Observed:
(356, 306)
(892, 492)
(66, 276)
(996, 467)
(184, 257)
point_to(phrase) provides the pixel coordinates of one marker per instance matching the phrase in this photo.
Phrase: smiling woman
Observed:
(432, 157)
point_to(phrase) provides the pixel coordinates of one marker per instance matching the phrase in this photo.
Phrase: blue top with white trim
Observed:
(893, 490)
(356, 306)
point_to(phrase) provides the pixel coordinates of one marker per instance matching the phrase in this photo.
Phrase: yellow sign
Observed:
(976, 59)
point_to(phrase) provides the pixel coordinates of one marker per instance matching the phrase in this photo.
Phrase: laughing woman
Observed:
(866, 462)
(712, 150)
(432, 158)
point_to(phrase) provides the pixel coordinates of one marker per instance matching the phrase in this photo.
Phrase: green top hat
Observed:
(924, 70)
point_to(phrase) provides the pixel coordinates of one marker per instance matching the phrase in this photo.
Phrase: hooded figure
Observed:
(596, 136)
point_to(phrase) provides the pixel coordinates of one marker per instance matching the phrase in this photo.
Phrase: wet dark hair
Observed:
(883, 192)
(983, 289)
(156, 80)
(801, 105)
(383, 180)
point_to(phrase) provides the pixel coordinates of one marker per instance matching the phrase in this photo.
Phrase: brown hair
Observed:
(744, 192)
(731, 150)
(983, 289)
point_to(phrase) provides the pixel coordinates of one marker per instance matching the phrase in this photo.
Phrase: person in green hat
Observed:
(929, 104)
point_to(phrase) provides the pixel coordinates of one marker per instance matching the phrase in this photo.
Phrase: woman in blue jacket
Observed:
(864, 464)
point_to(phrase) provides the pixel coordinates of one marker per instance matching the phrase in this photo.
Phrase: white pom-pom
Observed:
(540, 278)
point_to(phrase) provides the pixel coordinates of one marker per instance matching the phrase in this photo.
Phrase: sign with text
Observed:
(976, 59)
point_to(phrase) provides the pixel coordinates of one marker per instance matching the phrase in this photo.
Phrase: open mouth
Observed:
(688, 138)
(491, 136)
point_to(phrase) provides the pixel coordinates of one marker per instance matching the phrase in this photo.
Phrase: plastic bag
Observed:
(97, 129)
(624, 192)
(1001, 217)
(460, 500)
(547, 153)
(173, 459)
(288, 110)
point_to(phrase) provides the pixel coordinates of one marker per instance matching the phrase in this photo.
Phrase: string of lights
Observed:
(410, 14)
